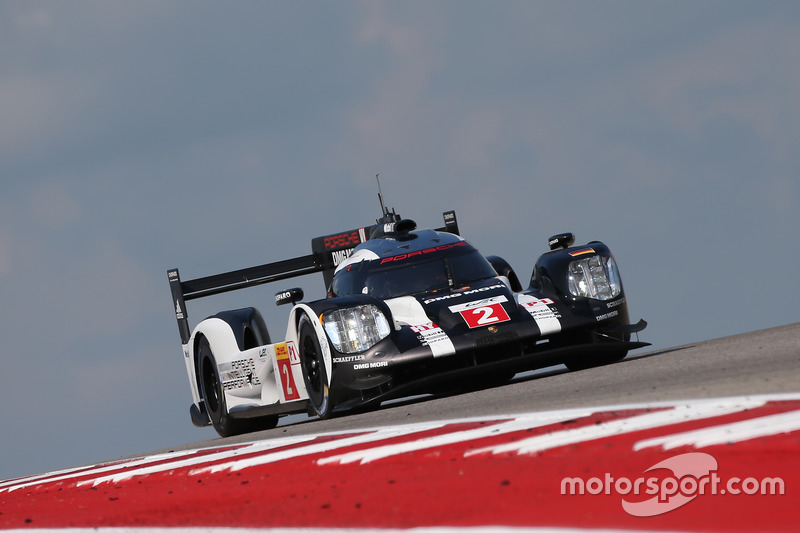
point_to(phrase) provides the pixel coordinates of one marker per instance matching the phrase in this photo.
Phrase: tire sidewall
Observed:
(319, 400)
(208, 365)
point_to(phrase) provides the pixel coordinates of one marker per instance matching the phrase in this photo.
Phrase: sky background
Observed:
(211, 136)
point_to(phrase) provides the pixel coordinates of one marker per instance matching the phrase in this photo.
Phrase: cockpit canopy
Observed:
(446, 264)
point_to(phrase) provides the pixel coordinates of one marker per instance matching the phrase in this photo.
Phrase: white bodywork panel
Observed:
(260, 376)
(541, 311)
(407, 311)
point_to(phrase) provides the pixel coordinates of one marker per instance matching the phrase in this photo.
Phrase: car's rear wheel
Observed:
(315, 375)
(214, 397)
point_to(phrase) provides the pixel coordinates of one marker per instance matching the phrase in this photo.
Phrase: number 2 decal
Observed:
(284, 353)
(288, 381)
(485, 315)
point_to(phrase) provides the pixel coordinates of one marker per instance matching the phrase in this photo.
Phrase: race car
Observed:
(407, 311)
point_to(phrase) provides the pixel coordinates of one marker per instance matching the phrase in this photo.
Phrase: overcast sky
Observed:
(138, 136)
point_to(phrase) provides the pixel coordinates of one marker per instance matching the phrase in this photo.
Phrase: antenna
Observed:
(387, 216)
(384, 211)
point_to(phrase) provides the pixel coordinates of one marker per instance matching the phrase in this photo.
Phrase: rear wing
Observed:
(327, 253)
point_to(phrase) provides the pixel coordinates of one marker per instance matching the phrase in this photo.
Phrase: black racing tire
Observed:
(214, 397)
(315, 375)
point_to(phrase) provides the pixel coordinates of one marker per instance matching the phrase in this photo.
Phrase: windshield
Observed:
(412, 276)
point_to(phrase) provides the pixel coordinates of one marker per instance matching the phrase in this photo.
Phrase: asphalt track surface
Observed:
(761, 362)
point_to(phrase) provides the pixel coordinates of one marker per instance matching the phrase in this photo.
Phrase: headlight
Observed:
(355, 329)
(594, 277)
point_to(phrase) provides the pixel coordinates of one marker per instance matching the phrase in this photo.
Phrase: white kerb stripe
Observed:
(491, 430)
(197, 460)
(681, 413)
(763, 426)
(315, 448)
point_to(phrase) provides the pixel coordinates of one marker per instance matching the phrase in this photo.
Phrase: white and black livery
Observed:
(407, 311)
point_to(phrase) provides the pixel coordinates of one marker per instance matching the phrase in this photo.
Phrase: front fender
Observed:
(292, 333)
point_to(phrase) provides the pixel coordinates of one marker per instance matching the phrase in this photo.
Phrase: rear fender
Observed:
(222, 341)
(220, 338)
(252, 364)
(247, 326)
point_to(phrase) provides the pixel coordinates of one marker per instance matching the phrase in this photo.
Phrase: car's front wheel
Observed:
(315, 375)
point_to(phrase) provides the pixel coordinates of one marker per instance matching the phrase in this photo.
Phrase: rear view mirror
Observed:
(289, 296)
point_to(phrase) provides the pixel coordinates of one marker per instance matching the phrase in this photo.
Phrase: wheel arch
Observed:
(502, 268)
(221, 340)
(293, 333)
(247, 325)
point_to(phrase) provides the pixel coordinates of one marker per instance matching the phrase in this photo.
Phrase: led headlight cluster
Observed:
(594, 277)
(355, 329)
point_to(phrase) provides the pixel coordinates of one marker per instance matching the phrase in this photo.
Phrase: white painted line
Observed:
(681, 413)
(197, 460)
(73, 473)
(727, 433)
(382, 434)
(382, 452)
